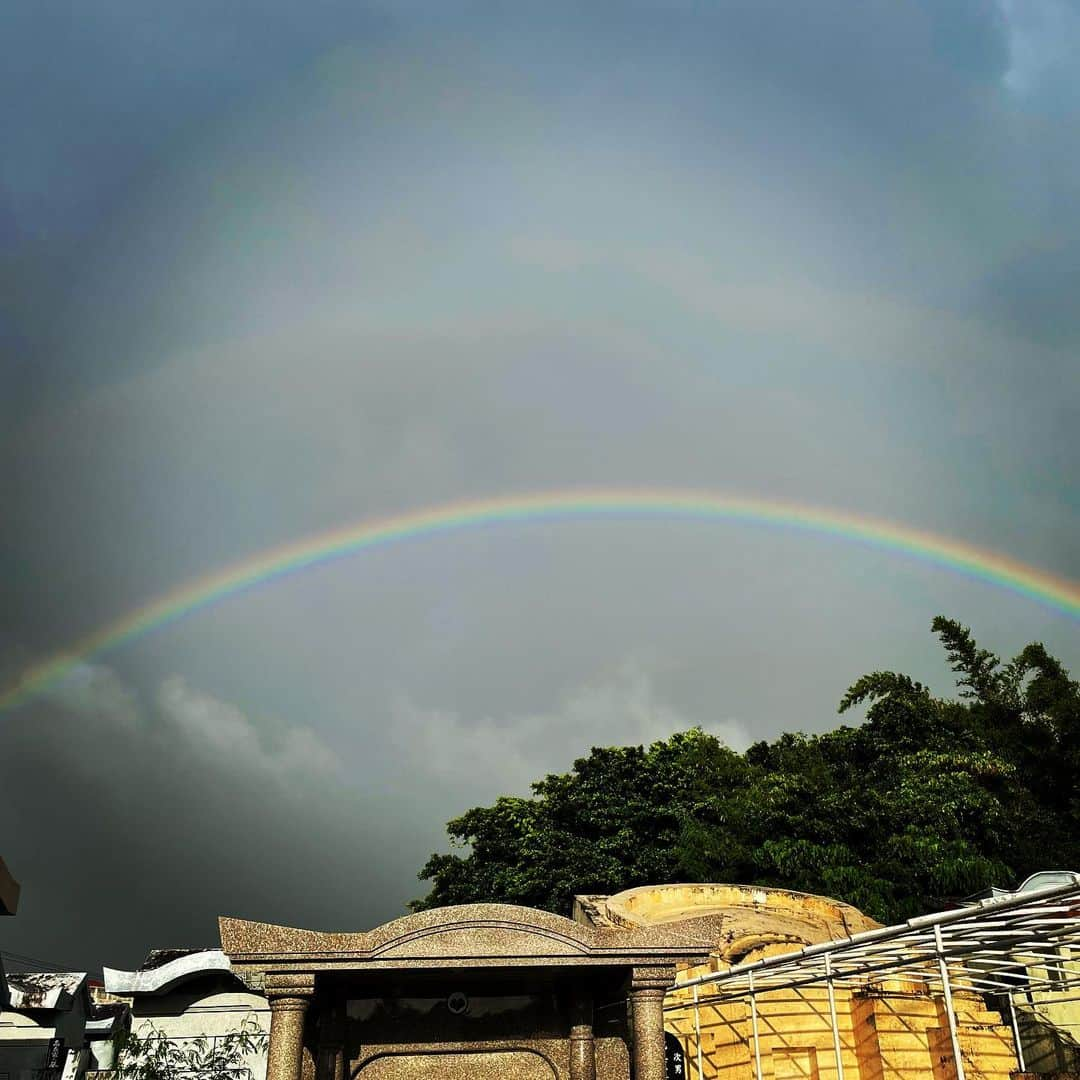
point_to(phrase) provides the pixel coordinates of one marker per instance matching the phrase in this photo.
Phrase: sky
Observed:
(271, 269)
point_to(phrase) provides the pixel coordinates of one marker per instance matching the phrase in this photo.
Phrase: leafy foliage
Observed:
(928, 798)
(153, 1056)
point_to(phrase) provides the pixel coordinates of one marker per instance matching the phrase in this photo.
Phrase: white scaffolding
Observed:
(1019, 946)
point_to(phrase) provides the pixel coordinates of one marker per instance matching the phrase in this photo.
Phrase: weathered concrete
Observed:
(894, 1031)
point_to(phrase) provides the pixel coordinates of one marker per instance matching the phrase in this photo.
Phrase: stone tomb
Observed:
(464, 993)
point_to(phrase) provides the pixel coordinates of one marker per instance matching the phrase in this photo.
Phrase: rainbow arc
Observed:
(980, 564)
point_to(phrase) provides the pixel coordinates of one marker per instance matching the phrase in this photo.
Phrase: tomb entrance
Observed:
(464, 993)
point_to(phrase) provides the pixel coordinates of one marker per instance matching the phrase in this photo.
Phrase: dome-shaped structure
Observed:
(739, 919)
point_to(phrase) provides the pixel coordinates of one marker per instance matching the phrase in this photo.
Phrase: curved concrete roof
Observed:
(652, 904)
(104, 1027)
(738, 919)
(158, 980)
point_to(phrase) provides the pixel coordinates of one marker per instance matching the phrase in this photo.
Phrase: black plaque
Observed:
(54, 1055)
(674, 1057)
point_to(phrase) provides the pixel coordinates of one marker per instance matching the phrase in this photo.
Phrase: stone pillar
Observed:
(582, 1047)
(289, 997)
(647, 987)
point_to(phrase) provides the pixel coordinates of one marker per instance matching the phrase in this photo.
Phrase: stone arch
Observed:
(462, 1063)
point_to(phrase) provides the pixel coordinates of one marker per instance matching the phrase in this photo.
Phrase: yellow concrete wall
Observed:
(895, 1034)
(1049, 1019)
(896, 1031)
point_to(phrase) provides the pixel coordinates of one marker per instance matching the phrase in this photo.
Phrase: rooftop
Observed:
(156, 958)
(45, 990)
(738, 919)
(165, 968)
(999, 945)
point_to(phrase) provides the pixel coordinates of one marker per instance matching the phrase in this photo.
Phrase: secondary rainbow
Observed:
(1057, 593)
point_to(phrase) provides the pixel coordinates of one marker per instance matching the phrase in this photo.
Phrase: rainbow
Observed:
(1057, 593)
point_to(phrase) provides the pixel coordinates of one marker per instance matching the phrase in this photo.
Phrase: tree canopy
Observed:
(928, 798)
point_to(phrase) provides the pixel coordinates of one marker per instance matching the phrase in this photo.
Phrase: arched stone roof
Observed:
(468, 935)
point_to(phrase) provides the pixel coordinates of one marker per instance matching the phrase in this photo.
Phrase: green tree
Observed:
(928, 798)
(154, 1056)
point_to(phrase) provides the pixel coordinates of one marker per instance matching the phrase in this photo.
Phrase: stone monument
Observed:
(465, 993)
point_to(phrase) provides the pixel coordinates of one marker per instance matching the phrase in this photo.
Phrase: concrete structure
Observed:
(1049, 1021)
(895, 1029)
(480, 990)
(49, 1027)
(184, 994)
(742, 922)
(1046, 1004)
(43, 1026)
(492, 990)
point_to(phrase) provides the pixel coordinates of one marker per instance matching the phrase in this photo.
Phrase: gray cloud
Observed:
(619, 709)
(129, 822)
(273, 274)
(1041, 37)
(174, 812)
(223, 731)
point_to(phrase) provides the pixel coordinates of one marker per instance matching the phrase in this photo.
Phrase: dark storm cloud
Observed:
(132, 820)
(273, 269)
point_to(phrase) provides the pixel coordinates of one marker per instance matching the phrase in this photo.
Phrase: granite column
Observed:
(289, 997)
(647, 987)
(582, 1047)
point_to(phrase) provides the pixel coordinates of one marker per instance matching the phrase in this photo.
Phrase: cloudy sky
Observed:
(270, 269)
